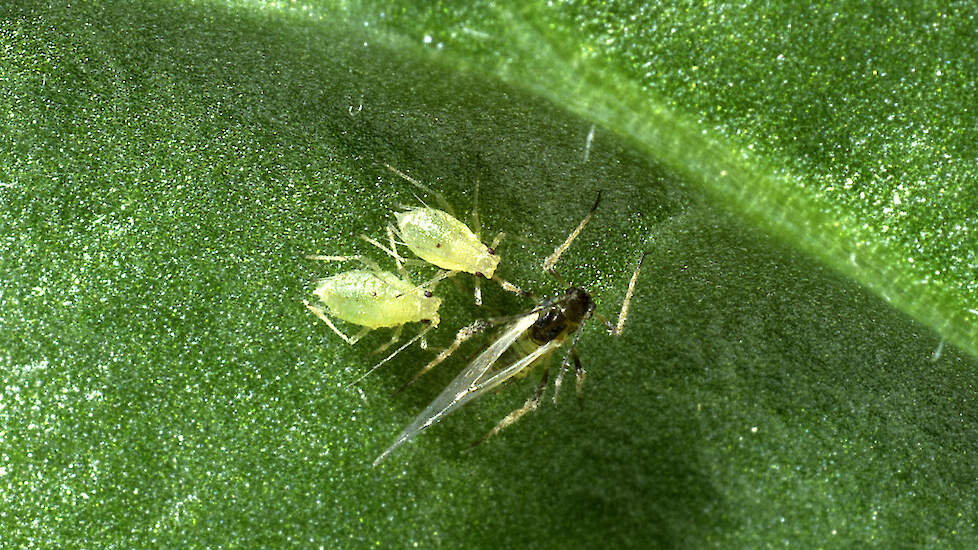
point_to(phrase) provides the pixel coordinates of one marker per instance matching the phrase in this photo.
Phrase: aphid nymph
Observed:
(439, 238)
(376, 299)
(534, 335)
(373, 298)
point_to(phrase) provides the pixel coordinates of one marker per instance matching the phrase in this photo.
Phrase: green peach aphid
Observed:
(372, 298)
(439, 238)
(534, 336)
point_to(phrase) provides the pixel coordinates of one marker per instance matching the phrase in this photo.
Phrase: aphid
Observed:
(373, 298)
(439, 238)
(536, 334)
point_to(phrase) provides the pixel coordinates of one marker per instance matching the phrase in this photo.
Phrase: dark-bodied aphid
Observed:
(535, 334)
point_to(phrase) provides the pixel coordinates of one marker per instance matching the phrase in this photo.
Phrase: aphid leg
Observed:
(322, 315)
(478, 291)
(397, 257)
(553, 273)
(623, 314)
(438, 196)
(552, 259)
(464, 334)
(531, 404)
(566, 362)
(580, 372)
(391, 253)
(615, 330)
(394, 338)
(604, 320)
(362, 259)
(417, 337)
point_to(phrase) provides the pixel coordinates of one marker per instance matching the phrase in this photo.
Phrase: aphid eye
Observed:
(479, 274)
(437, 245)
(428, 294)
(492, 252)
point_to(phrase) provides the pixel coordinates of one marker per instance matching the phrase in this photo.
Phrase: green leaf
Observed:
(164, 168)
(843, 130)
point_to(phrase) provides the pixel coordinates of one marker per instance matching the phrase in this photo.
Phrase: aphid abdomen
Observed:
(376, 299)
(440, 239)
(549, 326)
(552, 325)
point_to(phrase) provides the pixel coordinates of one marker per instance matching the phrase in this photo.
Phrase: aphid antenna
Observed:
(397, 257)
(552, 259)
(374, 242)
(477, 227)
(587, 143)
(510, 287)
(417, 337)
(430, 283)
(362, 259)
(616, 329)
(417, 198)
(438, 196)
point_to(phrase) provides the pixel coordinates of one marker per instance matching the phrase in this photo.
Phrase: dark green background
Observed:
(165, 167)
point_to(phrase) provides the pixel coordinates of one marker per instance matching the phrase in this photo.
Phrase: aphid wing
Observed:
(498, 378)
(457, 391)
(489, 381)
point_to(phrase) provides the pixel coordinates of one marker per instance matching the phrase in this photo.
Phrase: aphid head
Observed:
(578, 304)
(485, 263)
(429, 308)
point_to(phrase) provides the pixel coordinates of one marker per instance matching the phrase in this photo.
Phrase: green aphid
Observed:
(439, 238)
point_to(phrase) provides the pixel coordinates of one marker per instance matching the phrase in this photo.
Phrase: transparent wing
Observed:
(460, 390)
(498, 378)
